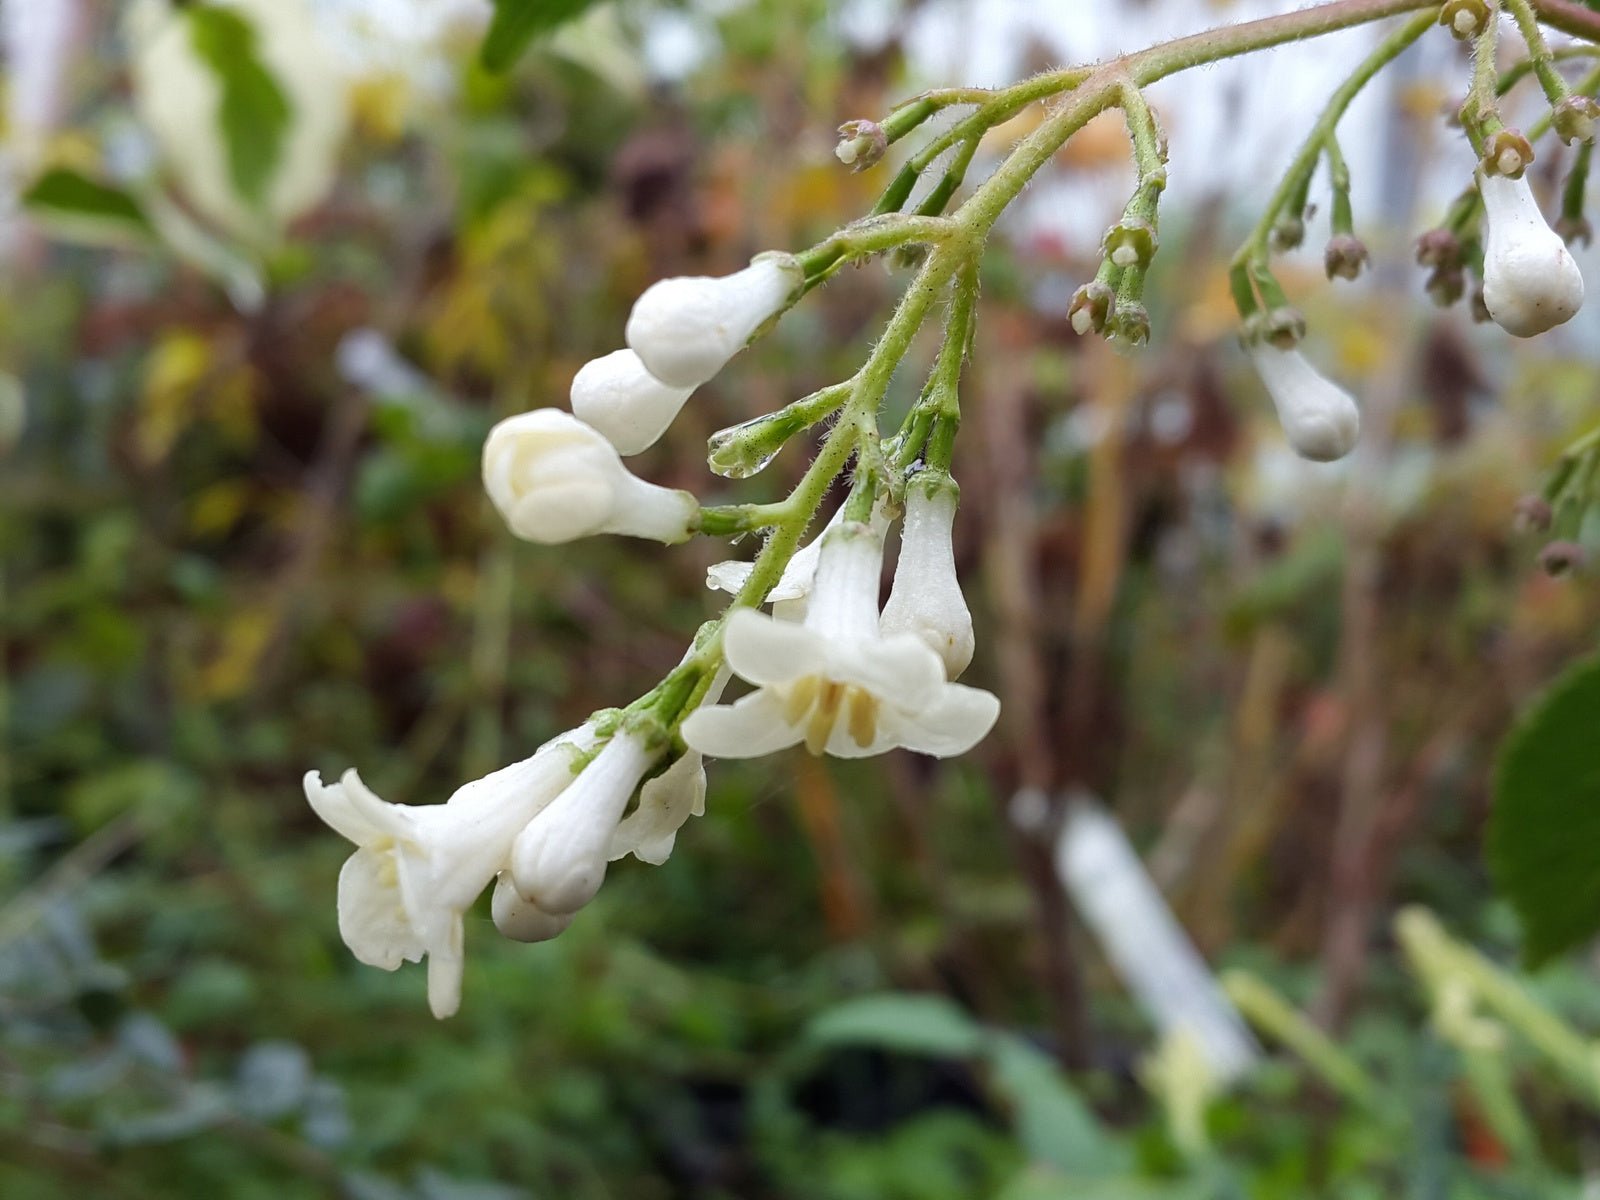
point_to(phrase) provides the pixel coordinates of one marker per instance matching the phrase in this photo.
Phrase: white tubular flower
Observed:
(1530, 281)
(926, 598)
(1318, 416)
(416, 870)
(617, 396)
(686, 329)
(558, 862)
(666, 802)
(788, 596)
(520, 920)
(834, 681)
(554, 479)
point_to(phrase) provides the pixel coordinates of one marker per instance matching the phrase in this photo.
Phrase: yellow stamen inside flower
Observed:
(800, 699)
(863, 717)
(823, 715)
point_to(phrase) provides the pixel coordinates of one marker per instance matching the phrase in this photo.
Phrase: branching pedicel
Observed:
(826, 668)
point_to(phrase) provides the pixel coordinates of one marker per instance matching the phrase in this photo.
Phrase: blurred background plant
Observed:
(248, 365)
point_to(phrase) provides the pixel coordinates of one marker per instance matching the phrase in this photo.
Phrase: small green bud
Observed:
(1345, 256)
(1575, 231)
(1532, 514)
(1466, 19)
(1506, 153)
(1446, 285)
(1574, 119)
(1091, 307)
(1130, 243)
(861, 144)
(1439, 248)
(1289, 231)
(1560, 559)
(1130, 323)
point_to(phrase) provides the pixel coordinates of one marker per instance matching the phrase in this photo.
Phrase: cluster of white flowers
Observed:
(1531, 284)
(826, 667)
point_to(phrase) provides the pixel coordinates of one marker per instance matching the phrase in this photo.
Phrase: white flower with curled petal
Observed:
(1319, 418)
(686, 329)
(834, 681)
(925, 598)
(617, 396)
(666, 802)
(788, 595)
(558, 861)
(417, 869)
(1530, 281)
(554, 479)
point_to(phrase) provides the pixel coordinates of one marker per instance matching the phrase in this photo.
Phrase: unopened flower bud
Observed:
(1532, 514)
(1289, 231)
(1464, 18)
(1530, 281)
(617, 396)
(1574, 119)
(1575, 230)
(521, 920)
(926, 598)
(1560, 559)
(861, 144)
(1091, 307)
(554, 479)
(1130, 323)
(1319, 418)
(1345, 256)
(686, 329)
(558, 861)
(1507, 153)
(1446, 285)
(1439, 248)
(1130, 243)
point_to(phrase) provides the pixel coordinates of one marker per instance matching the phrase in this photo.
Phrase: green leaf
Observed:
(910, 1024)
(517, 22)
(1544, 833)
(64, 193)
(1053, 1124)
(254, 114)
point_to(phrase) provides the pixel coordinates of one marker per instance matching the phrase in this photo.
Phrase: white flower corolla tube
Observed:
(617, 396)
(554, 479)
(558, 862)
(666, 802)
(686, 329)
(179, 97)
(833, 681)
(1319, 418)
(417, 869)
(1530, 281)
(788, 596)
(519, 919)
(925, 598)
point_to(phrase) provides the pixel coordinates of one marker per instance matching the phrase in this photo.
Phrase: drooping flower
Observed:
(1530, 281)
(925, 598)
(834, 681)
(686, 329)
(554, 479)
(521, 920)
(666, 802)
(417, 869)
(558, 862)
(617, 396)
(1319, 418)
